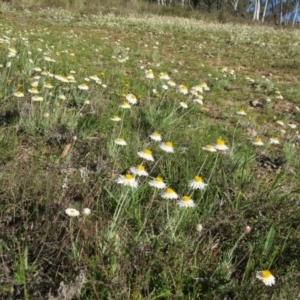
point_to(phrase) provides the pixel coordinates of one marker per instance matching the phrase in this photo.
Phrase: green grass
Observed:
(135, 244)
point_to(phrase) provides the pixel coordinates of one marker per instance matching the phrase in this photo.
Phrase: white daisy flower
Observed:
(199, 100)
(86, 211)
(131, 99)
(197, 183)
(146, 154)
(83, 87)
(241, 112)
(72, 212)
(171, 83)
(199, 88)
(205, 86)
(37, 98)
(183, 89)
(62, 97)
(194, 91)
(169, 194)
(266, 277)
(149, 74)
(258, 142)
(164, 76)
(34, 84)
(125, 105)
(127, 180)
(120, 142)
(220, 145)
(183, 105)
(199, 227)
(155, 136)
(280, 122)
(274, 140)
(186, 201)
(157, 183)
(71, 78)
(33, 90)
(209, 148)
(18, 94)
(116, 119)
(293, 126)
(139, 171)
(167, 147)
(94, 77)
(48, 85)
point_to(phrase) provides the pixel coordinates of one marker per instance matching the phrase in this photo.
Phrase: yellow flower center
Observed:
(198, 179)
(158, 179)
(169, 144)
(258, 140)
(133, 97)
(169, 191)
(83, 85)
(186, 198)
(147, 152)
(121, 140)
(141, 168)
(265, 274)
(125, 103)
(156, 133)
(220, 142)
(116, 117)
(242, 111)
(209, 146)
(19, 93)
(48, 84)
(128, 177)
(276, 139)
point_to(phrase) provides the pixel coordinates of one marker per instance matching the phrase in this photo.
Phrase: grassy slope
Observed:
(136, 245)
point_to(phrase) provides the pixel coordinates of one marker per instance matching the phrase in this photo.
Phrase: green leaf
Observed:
(269, 240)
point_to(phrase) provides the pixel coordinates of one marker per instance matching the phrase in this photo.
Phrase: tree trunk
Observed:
(265, 9)
(256, 10)
(296, 12)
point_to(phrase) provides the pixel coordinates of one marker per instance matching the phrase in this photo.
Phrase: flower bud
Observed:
(247, 228)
